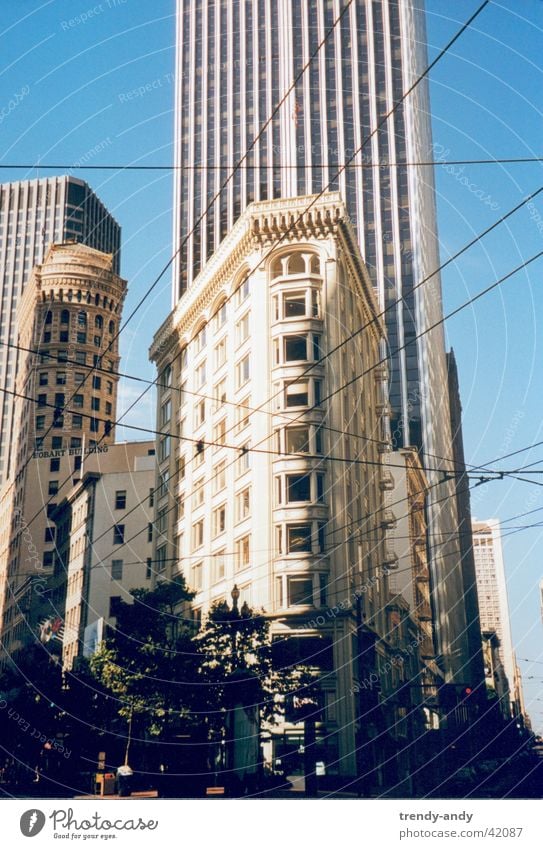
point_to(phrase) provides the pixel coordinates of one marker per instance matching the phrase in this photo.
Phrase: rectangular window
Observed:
(198, 534)
(243, 504)
(56, 442)
(162, 520)
(75, 442)
(161, 558)
(61, 378)
(163, 479)
(242, 371)
(60, 398)
(77, 422)
(78, 401)
(118, 534)
(44, 378)
(295, 348)
(94, 425)
(299, 538)
(166, 412)
(81, 337)
(54, 465)
(40, 422)
(149, 569)
(53, 487)
(96, 382)
(219, 520)
(219, 476)
(244, 460)
(220, 353)
(242, 329)
(297, 440)
(199, 454)
(218, 566)
(117, 570)
(42, 400)
(49, 534)
(164, 448)
(294, 304)
(219, 393)
(97, 341)
(243, 552)
(120, 499)
(297, 394)
(243, 414)
(298, 488)
(221, 316)
(323, 585)
(219, 433)
(322, 537)
(109, 387)
(317, 391)
(318, 440)
(81, 358)
(320, 488)
(199, 413)
(181, 468)
(200, 339)
(95, 404)
(196, 576)
(242, 291)
(149, 532)
(198, 496)
(300, 592)
(200, 375)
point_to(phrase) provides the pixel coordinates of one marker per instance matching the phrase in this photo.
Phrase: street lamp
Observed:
(235, 594)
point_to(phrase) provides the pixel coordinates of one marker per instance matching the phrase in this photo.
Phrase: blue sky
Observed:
(93, 82)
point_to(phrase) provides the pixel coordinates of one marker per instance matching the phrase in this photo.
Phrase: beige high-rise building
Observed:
(34, 214)
(270, 463)
(492, 591)
(69, 314)
(103, 544)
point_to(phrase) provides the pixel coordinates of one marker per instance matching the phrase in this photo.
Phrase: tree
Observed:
(239, 668)
(148, 662)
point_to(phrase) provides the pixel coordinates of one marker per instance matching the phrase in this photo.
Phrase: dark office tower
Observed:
(236, 59)
(33, 215)
(475, 673)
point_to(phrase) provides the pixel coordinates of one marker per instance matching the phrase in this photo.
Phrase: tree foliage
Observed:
(148, 661)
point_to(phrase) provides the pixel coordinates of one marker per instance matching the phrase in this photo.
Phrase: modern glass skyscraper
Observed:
(236, 59)
(33, 215)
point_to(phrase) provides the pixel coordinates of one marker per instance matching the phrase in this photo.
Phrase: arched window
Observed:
(296, 264)
(111, 328)
(276, 268)
(97, 300)
(99, 322)
(82, 318)
(48, 317)
(65, 317)
(314, 265)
